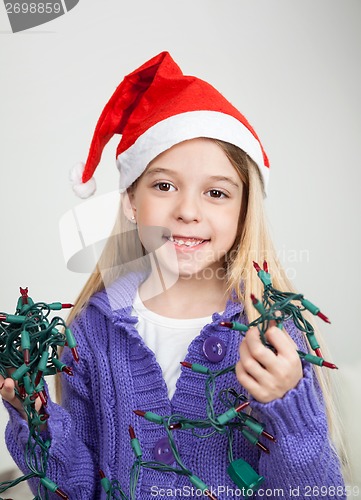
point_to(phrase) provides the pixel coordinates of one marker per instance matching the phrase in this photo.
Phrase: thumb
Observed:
(7, 392)
(7, 389)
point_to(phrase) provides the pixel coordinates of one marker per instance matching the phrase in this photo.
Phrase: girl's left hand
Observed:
(264, 374)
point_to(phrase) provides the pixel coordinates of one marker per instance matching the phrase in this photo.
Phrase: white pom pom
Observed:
(81, 189)
(86, 189)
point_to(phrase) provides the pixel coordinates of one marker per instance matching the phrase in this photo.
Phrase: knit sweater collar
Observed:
(116, 301)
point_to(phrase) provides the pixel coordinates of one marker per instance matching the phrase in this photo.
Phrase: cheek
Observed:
(152, 237)
(228, 221)
(228, 228)
(151, 209)
(147, 212)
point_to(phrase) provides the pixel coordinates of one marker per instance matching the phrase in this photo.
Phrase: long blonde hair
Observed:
(252, 244)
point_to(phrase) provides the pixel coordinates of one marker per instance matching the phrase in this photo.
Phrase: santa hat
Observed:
(156, 107)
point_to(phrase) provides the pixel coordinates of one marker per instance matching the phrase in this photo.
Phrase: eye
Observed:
(216, 193)
(164, 186)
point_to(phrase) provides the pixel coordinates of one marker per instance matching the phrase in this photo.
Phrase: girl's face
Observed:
(194, 194)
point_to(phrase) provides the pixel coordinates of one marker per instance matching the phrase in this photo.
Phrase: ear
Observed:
(128, 205)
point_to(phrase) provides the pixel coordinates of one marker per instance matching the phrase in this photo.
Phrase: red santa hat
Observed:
(156, 107)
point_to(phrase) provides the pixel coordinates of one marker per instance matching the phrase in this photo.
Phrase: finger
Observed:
(281, 341)
(251, 365)
(290, 339)
(279, 326)
(244, 377)
(247, 381)
(8, 390)
(257, 349)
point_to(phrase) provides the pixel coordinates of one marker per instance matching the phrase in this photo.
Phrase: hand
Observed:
(7, 392)
(264, 374)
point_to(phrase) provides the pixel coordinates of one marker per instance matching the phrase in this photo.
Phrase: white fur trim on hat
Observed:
(81, 189)
(184, 126)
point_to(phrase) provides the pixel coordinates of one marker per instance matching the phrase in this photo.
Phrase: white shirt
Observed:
(168, 338)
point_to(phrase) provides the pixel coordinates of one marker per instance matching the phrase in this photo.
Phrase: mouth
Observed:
(186, 241)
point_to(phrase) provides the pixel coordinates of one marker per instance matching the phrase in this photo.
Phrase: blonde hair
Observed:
(252, 244)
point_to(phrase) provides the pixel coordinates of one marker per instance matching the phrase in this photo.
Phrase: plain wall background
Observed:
(292, 67)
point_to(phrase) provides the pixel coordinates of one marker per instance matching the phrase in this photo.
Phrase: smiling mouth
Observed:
(187, 242)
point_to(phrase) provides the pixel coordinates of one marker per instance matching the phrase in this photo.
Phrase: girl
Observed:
(179, 262)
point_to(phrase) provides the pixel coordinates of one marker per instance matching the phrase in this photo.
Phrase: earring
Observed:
(133, 219)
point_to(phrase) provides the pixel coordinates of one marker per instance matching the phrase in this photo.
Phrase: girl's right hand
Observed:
(7, 392)
(265, 374)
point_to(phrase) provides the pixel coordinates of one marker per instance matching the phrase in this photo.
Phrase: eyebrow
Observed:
(213, 178)
(158, 170)
(223, 178)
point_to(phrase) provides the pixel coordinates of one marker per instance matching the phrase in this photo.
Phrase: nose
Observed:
(188, 208)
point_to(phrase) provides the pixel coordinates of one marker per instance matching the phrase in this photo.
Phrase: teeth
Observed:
(187, 243)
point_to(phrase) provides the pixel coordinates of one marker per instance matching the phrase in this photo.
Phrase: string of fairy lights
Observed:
(29, 341)
(28, 352)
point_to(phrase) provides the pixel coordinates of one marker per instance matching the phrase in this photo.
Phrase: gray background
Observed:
(292, 67)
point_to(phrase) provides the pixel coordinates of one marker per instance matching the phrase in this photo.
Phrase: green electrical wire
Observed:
(28, 348)
(227, 423)
(29, 340)
(279, 307)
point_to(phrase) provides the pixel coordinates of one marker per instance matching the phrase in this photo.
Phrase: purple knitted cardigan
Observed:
(118, 373)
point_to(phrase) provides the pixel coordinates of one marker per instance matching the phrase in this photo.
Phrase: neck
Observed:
(187, 297)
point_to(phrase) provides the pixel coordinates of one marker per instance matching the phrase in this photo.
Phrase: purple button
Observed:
(214, 349)
(163, 452)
